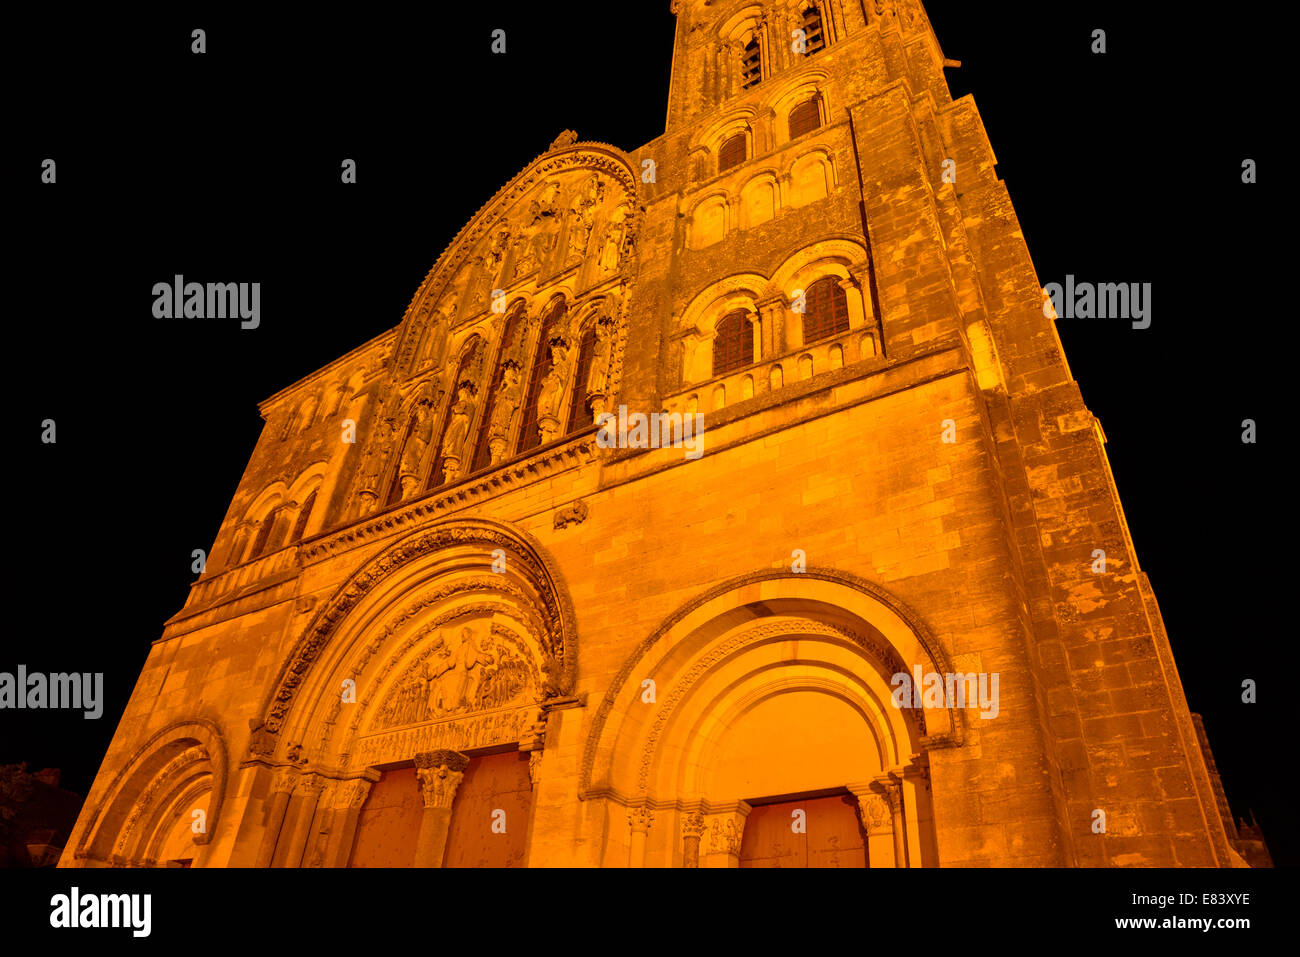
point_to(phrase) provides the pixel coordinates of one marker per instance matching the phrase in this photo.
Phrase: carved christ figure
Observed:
(453, 675)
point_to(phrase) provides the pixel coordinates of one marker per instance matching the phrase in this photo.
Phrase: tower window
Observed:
(826, 310)
(733, 346)
(814, 35)
(751, 63)
(805, 118)
(732, 153)
(304, 513)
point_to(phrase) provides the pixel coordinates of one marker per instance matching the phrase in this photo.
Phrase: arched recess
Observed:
(812, 178)
(768, 685)
(147, 809)
(397, 631)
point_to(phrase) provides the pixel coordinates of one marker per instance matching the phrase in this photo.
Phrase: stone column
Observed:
(639, 819)
(289, 850)
(282, 785)
(692, 831)
(349, 797)
(878, 822)
(890, 785)
(915, 784)
(439, 773)
(772, 313)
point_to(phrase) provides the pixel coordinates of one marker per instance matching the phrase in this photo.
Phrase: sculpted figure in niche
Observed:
(503, 410)
(461, 412)
(598, 378)
(413, 454)
(387, 435)
(616, 235)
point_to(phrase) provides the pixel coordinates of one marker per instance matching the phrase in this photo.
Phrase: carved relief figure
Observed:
(467, 675)
(598, 377)
(582, 216)
(537, 237)
(434, 351)
(616, 237)
(503, 410)
(413, 453)
(462, 412)
(387, 434)
(489, 264)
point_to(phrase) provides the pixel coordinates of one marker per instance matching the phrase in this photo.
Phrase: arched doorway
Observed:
(770, 698)
(408, 719)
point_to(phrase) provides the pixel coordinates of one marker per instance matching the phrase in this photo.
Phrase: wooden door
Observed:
(489, 819)
(833, 835)
(389, 823)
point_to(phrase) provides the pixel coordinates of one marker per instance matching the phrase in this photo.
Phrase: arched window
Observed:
(468, 357)
(304, 514)
(530, 437)
(814, 35)
(482, 452)
(732, 152)
(826, 310)
(751, 64)
(733, 346)
(805, 118)
(263, 535)
(579, 411)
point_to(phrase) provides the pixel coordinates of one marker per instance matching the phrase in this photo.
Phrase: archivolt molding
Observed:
(186, 750)
(882, 655)
(619, 686)
(525, 561)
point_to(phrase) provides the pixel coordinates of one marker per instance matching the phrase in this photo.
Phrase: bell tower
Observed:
(721, 54)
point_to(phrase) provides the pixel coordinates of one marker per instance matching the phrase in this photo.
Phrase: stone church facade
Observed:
(443, 625)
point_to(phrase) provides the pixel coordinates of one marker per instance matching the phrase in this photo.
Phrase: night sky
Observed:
(1124, 167)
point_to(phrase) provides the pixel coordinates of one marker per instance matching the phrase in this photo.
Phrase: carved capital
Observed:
(640, 819)
(875, 814)
(693, 824)
(440, 773)
(350, 795)
(284, 781)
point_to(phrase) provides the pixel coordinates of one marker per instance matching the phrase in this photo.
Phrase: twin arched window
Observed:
(826, 310)
(733, 343)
